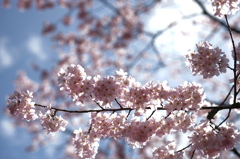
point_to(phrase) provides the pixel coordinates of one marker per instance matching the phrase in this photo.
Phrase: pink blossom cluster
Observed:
(40, 4)
(130, 93)
(115, 125)
(20, 105)
(81, 87)
(136, 132)
(137, 97)
(185, 97)
(75, 82)
(224, 7)
(167, 152)
(177, 121)
(86, 145)
(6, 3)
(52, 123)
(106, 89)
(108, 124)
(207, 61)
(47, 28)
(211, 142)
(184, 121)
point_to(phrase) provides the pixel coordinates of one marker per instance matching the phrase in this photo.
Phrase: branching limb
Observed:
(235, 61)
(229, 112)
(213, 112)
(151, 115)
(192, 154)
(205, 12)
(118, 103)
(234, 150)
(185, 147)
(233, 106)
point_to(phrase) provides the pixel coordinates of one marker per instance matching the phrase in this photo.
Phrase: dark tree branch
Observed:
(233, 106)
(234, 150)
(235, 61)
(185, 147)
(205, 12)
(228, 115)
(192, 154)
(151, 115)
(118, 103)
(213, 112)
(234, 72)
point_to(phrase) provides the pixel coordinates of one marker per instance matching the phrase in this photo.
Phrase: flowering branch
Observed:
(233, 106)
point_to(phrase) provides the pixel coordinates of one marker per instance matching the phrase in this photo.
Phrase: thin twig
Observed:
(234, 72)
(235, 61)
(167, 115)
(129, 112)
(230, 68)
(185, 147)
(98, 104)
(214, 111)
(151, 115)
(205, 12)
(192, 154)
(90, 128)
(234, 150)
(229, 112)
(118, 103)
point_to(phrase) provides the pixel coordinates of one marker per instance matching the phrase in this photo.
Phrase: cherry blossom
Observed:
(207, 61)
(52, 123)
(48, 28)
(211, 142)
(224, 7)
(137, 97)
(106, 89)
(20, 105)
(86, 145)
(24, 4)
(167, 152)
(67, 20)
(75, 82)
(6, 3)
(188, 96)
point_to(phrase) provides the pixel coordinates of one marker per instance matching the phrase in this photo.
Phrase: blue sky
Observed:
(21, 43)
